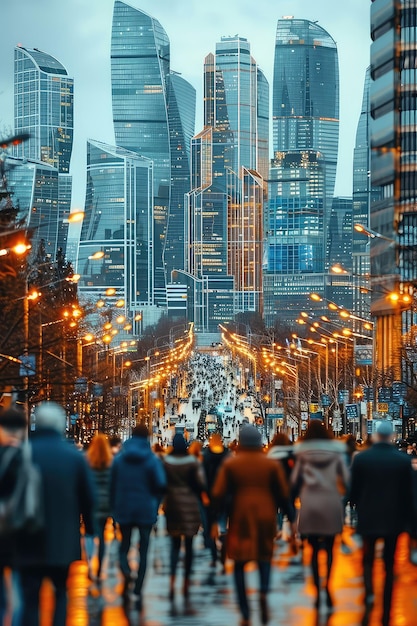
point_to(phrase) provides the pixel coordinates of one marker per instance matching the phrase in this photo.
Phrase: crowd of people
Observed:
(236, 497)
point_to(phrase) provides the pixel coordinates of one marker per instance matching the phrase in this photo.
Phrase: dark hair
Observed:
(115, 440)
(140, 431)
(12, 419)
(317, 430)
(281, 439)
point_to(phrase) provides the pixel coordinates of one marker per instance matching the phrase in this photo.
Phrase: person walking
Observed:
(100, 458)
(253, 486)
(382, 491)
(137, 485)
(185, 486)
(320, 479)
(68, 495)
(213, 457)
(13, 427)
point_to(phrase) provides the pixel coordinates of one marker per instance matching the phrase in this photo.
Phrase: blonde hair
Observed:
(99, 454)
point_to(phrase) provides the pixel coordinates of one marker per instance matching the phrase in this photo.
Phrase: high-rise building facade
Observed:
(229, 161)
(394, 170)
(118, 224)
(153, 114)
(305, 118)
(44, 108)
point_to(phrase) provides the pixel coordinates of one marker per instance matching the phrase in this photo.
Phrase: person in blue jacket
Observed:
(137, 485)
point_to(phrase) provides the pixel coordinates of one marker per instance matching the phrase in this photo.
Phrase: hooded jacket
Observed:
(137, 484)
(320, 479)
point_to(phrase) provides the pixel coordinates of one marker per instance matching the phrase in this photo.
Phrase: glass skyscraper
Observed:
(44, 107)
(119, 223)
(153, 114)
(305, 110)
(229, 161)
(394, 170)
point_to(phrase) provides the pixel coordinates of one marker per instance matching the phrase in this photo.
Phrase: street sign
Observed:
(325, 399)
(382, 407)
(27, 365)
(352, 412)
(337, 424)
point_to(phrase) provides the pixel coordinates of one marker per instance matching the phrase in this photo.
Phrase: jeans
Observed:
(175, 551)
(390, 544)
(31, 580)
(264, 568)
(144, 535)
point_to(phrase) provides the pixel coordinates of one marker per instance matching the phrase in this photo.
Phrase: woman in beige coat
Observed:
(252, 486)
(320, 478)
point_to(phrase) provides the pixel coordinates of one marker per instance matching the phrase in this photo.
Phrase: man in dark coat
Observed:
(67, 494)
(137, 484)
(382, 491)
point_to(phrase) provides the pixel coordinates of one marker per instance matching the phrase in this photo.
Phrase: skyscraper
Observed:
(118, 223)
(229, 160)
(394, 169)
(43, 107)
(153, 114)
(305, 121)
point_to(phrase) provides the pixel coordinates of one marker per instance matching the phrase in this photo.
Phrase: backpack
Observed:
(22, 509)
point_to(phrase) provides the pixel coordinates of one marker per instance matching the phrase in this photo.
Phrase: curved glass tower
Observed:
(153, 115)
(305, 105)
(44, 107)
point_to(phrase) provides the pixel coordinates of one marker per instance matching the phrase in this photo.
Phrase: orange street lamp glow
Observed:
(110, 291)
(120, 303)
(97, 255)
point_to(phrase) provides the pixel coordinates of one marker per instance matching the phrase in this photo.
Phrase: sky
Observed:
(78, 33)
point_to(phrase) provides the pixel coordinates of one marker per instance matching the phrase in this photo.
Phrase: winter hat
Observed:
(140, 431)
(50, 415)
(385, 429)
(179, 444)
(250, 437)
(12, 419)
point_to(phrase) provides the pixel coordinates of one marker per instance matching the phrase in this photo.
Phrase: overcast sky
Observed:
(77, 33)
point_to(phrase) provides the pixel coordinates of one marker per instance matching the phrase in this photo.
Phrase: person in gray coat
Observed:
(68, 495)
(137, 485)
(320, 479)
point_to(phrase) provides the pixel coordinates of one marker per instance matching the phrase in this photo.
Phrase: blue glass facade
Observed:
(35, 189)
(305, 105)
(44, 107)
(300, 229)
(119, 222)
(153, 114)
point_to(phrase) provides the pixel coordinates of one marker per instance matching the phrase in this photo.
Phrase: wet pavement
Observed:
(212, 600)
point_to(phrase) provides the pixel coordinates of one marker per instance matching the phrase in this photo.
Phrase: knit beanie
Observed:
(250, 437)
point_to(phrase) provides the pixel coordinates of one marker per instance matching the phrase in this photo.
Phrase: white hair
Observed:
(50, 415)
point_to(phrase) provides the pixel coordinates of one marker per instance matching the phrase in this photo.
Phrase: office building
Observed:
(115, 250)
(229, 161)
(305, 118)
(154, 116)
(394, 170)
(44, 108)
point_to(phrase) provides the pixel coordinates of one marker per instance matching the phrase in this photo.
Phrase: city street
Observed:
(212, 597)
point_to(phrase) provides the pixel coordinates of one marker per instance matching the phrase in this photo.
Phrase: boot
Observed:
(172, 589)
